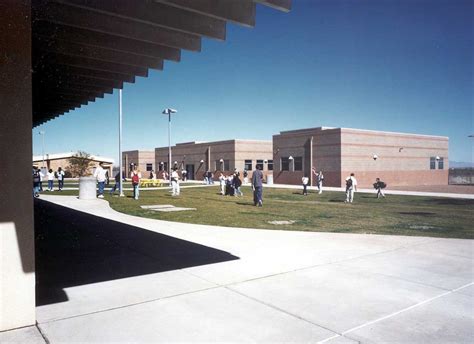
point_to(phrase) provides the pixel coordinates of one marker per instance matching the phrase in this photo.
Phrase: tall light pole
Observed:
(42, 149)
(168, 112)
(120, 144)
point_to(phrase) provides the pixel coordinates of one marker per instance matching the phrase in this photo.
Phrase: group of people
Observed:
(351, 185)
(230, 185)
(39, 177)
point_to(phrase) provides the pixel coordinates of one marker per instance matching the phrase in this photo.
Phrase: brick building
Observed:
(225, 156)
(397, 158)
(54, 161)
(143, 160)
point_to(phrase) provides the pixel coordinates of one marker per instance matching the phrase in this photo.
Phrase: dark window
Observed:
(298, 161)
(285, 164)
(432, 163)
(149, 167)
(441, 164)
(226, 165)
(260, 162)
(248, 165)
(270, 165)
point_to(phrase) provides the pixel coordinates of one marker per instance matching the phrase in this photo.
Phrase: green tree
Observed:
(80, 164)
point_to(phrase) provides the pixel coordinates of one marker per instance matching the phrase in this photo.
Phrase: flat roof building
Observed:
(143, 160)
(397, 158)
(219, 156)
(54, 161)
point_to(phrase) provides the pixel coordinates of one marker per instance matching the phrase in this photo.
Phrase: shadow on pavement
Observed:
(75, 248)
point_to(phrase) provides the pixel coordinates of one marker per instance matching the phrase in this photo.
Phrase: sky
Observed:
(403, 66)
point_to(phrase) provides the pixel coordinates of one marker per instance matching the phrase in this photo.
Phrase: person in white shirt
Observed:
(351, 187)
(41, 175)
(50, 176)
(222, 179)
(60, 176)
(305, 181)
(175, 182)
(101, 176)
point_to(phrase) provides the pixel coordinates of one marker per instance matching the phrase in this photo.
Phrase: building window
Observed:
(285, 164)
(260, 162)
(248, 165)
(298, 161)
(432, 163)
(222, 166)
(270, 165)
(149, 167)
(441, 164)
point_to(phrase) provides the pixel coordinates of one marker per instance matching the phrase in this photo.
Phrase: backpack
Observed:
(383, 185)
(349, 183)
(36, 177)
(135, 179)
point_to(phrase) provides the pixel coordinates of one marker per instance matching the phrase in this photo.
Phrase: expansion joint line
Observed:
(396, 313)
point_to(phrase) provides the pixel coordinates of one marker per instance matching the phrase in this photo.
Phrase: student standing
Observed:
(60, 176)
(175, 182)
(36, 182)
(222, 179)
(237, 185)
(50, 177)
(101, 175)
(257, 186)
(305, 181)
(136, 176)
(351, 187)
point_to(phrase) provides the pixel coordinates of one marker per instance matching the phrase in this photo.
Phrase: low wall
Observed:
(461, 176)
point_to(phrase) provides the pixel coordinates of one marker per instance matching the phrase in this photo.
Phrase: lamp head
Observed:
(375, 157)
(168, 111)
(437, 158)
(290, 158)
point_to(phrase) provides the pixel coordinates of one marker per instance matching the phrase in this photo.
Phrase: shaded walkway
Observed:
(74, 248)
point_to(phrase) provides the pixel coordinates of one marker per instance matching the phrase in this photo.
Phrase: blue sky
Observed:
(403, 66)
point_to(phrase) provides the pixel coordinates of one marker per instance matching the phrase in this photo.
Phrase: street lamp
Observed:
(168, 112)
(42, 149)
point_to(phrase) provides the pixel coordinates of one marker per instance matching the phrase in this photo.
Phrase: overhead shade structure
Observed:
(82, 49)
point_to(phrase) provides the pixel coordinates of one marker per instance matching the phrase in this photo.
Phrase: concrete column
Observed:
(17, 252)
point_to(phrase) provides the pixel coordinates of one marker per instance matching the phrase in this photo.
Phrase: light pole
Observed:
(120, 145)
(42, 149)
(168, 112)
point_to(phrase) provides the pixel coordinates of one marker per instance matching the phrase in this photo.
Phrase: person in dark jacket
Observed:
(257, 186)
(379, 186)
(237, 185)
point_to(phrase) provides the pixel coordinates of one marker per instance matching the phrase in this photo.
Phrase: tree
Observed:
(80, 164)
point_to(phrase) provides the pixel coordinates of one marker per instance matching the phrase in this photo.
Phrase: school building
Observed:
(54, 161)
(399, 159)
(219, 156)
(140, 159)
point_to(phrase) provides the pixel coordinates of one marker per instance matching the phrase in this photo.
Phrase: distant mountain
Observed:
(460, 164)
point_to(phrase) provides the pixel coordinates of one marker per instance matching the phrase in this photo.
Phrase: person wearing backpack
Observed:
(379, 186)
(136, 176)
(351, 187)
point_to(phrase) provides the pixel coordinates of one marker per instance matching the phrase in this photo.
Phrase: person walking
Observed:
(175, 182)
(237, 185)
(41, 174)
(60, 176)
(257, 186)
(50, 177)
(351, 187)
(117, 184)
(379, 186)
(136, 176)
(246, 176)
(101, 175)
(305, 181)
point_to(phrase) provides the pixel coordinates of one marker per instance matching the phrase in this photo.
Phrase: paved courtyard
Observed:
(120, 278)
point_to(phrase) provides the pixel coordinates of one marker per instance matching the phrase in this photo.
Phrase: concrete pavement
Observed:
(283, 286)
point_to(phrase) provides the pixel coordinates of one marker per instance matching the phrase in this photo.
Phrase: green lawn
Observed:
(399, 215)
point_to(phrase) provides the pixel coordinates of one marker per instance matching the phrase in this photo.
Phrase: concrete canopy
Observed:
(82, 49)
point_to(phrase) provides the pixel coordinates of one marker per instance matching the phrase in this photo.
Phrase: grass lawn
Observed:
(398, 215)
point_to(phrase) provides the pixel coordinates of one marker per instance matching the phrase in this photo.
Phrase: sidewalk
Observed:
(262, 286)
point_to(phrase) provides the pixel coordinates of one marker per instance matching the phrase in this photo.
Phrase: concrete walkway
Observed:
(282, 286)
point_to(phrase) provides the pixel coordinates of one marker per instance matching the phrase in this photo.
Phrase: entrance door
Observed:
(190, 170)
